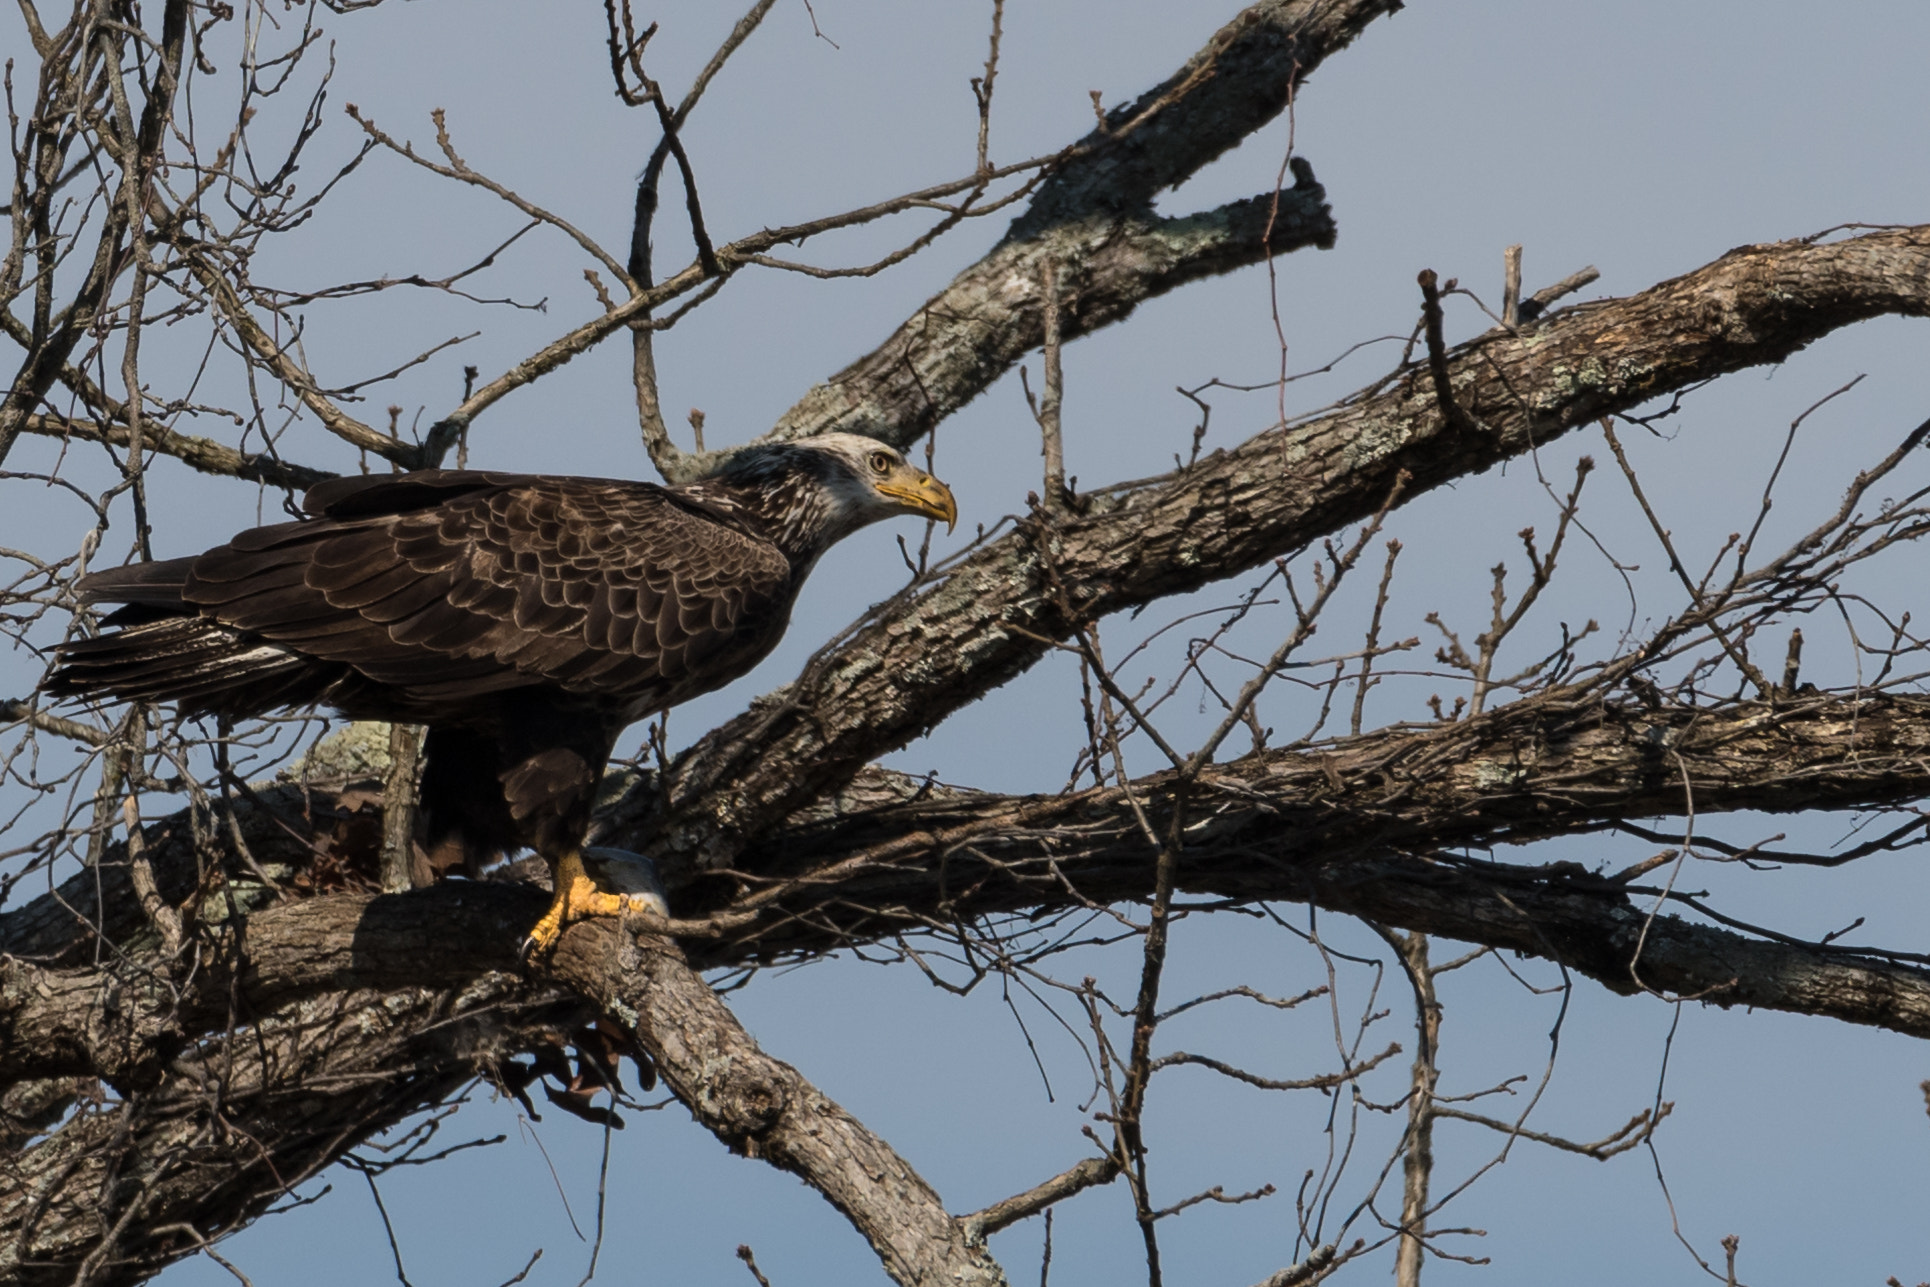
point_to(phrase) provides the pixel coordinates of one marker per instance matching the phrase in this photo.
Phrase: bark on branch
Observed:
(985, 621)
(1337, 827)
(764, 1108)
(394, 1001)
(1364, 826)
(1094, 219)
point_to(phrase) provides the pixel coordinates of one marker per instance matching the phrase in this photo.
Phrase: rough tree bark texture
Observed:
(1094, 219)
(347, 985)
(764, 1108)
(982, 623)
(358, 1009)
(1336, 826)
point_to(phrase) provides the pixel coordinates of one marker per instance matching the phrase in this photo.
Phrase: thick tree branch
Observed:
(401, 966)
(1094, 218)
(990, 617)
(976, 329)
(112, 1196)
(1338, 826)
(764, 1108)
(1243, 77)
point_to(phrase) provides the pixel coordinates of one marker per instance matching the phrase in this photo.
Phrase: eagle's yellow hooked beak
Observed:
(920, 493)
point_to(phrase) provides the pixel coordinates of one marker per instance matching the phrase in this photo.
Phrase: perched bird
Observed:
(527, 620)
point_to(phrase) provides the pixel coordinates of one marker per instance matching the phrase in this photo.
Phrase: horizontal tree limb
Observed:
(1361, 826)
(1353, 827)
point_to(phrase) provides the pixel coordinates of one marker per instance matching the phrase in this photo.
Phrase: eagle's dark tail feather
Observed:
(161, 650)
(155, 585)
(465, 824)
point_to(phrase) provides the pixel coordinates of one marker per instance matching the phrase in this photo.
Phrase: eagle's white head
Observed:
(809, 494)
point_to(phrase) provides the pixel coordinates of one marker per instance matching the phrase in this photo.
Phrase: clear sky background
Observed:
(1643, 138)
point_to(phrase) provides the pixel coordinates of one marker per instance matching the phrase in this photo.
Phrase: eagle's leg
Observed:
(596, 881)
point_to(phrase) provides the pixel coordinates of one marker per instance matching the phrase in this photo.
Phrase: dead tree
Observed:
(205, 1004)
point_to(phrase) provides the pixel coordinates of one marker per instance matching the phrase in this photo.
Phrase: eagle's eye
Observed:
(881, 462)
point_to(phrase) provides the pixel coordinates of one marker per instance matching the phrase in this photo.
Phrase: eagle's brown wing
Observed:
(411, 596)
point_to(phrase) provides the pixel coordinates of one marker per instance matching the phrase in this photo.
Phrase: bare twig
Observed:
(1040, 1197)
(1437, 363)
(1511, 286)
(1538, 303)
(1630, 1135)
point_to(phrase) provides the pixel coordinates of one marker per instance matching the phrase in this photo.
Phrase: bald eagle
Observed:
(526, 620)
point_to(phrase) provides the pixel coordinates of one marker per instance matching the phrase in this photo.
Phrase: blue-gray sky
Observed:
(1643, 138)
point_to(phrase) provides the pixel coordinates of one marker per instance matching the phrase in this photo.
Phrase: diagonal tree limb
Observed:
(1243, 77)
(978, 328)
(992, 616)
(764, 1108)
(1098, 205)
(376, 1008)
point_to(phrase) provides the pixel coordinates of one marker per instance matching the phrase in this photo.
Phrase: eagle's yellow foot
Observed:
(596, 882)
